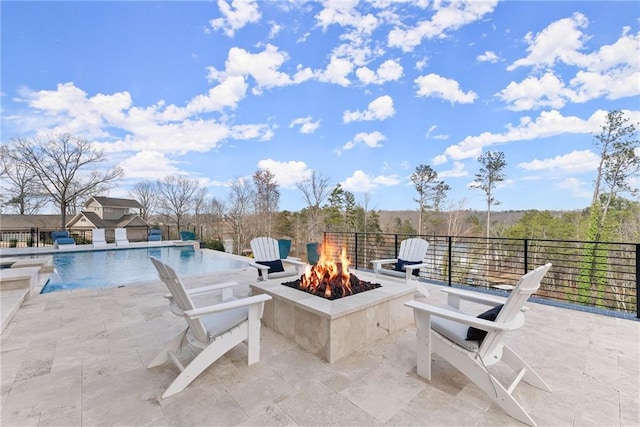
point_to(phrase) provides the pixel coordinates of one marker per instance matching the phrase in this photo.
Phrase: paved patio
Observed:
(76, 358)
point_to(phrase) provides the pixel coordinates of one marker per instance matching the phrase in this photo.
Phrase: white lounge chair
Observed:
(98, 237)
(266, 253)
(457, 338)
(121, 237)
(212, 330)
(409, 262)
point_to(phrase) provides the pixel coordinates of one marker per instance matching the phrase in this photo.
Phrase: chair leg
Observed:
(479, 375)
(205, 358)
(515, 362)
(172, 346)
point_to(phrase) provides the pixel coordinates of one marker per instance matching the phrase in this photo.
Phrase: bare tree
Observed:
(315, 190)
(267, 199)
(239, 206)
(19, 184)
(619, 162)
(145, 193)
(490, 174)
(425, 181)
(68, 168)
(199, 204)
(176, 196)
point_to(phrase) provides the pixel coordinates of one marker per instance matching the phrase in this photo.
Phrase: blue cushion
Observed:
(274, 266)
(401, 263)
(475, 334)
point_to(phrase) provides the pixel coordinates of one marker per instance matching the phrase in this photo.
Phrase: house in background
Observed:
(111, 213)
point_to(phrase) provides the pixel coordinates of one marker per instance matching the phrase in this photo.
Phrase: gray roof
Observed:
(117, 203)
(8, 221)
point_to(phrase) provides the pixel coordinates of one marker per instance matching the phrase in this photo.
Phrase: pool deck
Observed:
(77, 358)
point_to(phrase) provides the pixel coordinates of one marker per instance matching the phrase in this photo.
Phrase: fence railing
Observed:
(39, 237)
(604, 275)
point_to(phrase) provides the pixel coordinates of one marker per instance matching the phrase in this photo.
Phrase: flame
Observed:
(328, 274)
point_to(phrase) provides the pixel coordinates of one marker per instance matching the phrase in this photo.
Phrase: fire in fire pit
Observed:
(331, 279)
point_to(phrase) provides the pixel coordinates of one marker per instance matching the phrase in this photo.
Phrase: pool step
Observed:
(10, 302)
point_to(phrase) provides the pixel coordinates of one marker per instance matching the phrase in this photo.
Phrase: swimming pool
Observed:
(116, 267)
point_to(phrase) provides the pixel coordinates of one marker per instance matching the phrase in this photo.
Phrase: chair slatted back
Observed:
(413, 249)
(512, 309)
(180, 296)
(98, 235)
(265, 249)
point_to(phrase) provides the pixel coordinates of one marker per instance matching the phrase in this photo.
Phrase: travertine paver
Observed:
(78, 358)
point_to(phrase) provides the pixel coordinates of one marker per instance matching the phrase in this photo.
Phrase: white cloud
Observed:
(488, 56)
(435, 86)
(576, 187)
(360, 182)
(448, 16)
(389, 71)
(162, 128)
(574, 162)
(263, 67)
(307, 125)
(560, 41)
(235, 15)
(337, 71)
(455, 172)
(344, 13)
(533, 92)
(379, 109)
(149, 165)
(439, 159)
(548, 123)
(287, 174)
(612, 71)
(371, 140)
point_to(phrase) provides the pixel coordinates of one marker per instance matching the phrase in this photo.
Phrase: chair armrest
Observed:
(485, 325)
(377, 263)
(294, 261)
(230, 305)
(455, 295)
(410, 267)
(264, 269)
(384, 261)
(211, 288)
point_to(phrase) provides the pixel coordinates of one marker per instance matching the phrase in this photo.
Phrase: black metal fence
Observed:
(39, 237)
(602, 275)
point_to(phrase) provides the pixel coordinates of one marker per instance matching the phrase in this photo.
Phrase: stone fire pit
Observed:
(333, 329)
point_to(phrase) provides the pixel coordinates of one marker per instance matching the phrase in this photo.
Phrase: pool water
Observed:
(116, 267)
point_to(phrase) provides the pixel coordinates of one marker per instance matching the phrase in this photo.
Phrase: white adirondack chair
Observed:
(443, 330)
(266, 253)
(411, 251)
(212, 330)
(121, 237)
(98, 237)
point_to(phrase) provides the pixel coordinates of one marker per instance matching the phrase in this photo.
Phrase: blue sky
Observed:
(360, 91)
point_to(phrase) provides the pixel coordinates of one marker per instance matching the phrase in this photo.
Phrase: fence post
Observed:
(526, 256)
(355, 248)
(395, 246)
(637, 280)
(450, 261)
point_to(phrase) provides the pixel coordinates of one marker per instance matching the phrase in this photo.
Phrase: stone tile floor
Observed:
(77, 358)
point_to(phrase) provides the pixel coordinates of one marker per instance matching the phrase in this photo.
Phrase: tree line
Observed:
(67, 170)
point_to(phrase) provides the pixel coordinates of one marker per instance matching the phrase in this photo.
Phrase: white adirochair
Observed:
(211, 330)
(98, 237)
(121, 237)
(443, 330)
(411, 250)
(266, 249)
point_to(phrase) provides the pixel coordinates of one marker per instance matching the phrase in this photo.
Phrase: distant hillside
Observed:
(388, 218)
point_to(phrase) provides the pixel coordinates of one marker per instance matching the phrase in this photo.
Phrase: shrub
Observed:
(215, 244)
